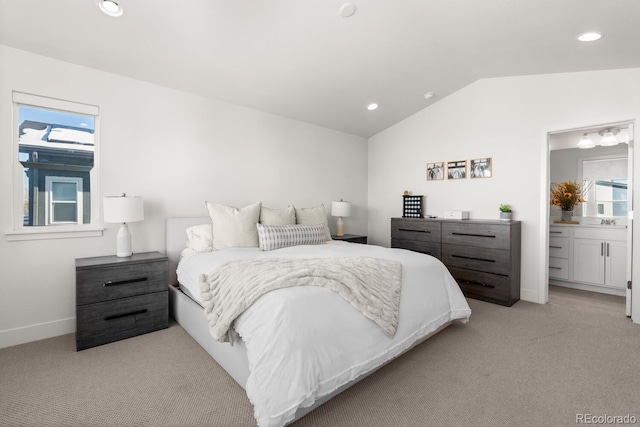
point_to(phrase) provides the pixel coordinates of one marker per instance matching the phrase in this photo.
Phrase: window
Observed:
(64, 197)
(55, 188)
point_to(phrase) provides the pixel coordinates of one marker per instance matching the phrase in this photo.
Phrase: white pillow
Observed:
(281, 236)
(232, 227)
(311, 216)
(270, 216)
(199, 239)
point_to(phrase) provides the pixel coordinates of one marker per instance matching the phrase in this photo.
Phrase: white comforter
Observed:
(305, 342)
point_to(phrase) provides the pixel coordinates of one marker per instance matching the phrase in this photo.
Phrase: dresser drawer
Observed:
(429, 248)
(480, 235)
(485, 286)
(109, 321)
(473, 258)
(559, 247)
(422, 230)
(120, 281)
(559, 268)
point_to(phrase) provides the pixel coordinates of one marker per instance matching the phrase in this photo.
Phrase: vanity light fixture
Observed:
(110, 8)
(590, 36)
(608, 138)
(372, 106)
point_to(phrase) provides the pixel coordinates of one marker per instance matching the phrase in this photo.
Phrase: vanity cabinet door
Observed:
(589, 265)
(616, 264)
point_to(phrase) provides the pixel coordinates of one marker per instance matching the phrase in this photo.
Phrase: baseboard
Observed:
(590, 288)
(529, 295)
(40, 331)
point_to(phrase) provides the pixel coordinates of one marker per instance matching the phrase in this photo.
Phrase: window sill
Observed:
(53, 232)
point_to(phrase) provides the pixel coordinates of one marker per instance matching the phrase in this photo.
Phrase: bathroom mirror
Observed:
(605, 181)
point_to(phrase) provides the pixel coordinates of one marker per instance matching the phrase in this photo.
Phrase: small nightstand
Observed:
(353, 238)
(119, 298)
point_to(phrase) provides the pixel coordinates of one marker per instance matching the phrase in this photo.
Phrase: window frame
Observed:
(52, 231)
(49, 210)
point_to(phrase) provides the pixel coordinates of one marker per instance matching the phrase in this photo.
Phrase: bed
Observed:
(334, 346)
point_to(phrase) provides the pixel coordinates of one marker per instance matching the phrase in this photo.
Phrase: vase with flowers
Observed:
(566, 195)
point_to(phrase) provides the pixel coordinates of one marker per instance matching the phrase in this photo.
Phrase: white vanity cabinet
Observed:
(559, 250)
(600, 256)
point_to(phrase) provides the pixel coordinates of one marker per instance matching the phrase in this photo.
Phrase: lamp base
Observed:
(339, 227)
(123, 242)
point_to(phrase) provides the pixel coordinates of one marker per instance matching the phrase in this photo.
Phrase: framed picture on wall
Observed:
(435, 171)
(480, 168)
(457, 169)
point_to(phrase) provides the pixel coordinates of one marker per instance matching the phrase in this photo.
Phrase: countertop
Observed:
(587, 225)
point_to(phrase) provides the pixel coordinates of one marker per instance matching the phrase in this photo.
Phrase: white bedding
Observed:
(304, 342)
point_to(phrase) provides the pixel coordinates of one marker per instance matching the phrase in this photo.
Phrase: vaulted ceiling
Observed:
(302, 59)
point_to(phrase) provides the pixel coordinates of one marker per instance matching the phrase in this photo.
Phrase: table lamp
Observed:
(123, 209)
(340, 209)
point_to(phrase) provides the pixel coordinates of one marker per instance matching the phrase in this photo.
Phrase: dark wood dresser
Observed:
(118, 298)
(482, 255)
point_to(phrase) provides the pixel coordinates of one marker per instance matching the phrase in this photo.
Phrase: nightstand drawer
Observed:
(105, 322)
(120, 281)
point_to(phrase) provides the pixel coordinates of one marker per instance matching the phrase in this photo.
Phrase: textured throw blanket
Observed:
(370, 285)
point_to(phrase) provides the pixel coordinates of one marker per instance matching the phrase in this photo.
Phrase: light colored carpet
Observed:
(527, 365)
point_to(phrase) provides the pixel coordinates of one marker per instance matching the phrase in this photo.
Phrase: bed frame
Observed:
(190, 315)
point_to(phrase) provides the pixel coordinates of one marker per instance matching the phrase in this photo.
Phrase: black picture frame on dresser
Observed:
(120, 297)
(482, 255)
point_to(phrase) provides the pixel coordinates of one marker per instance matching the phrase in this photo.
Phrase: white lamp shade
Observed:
(586, 142)
(608, 139)
(341, 209)
(123, 209)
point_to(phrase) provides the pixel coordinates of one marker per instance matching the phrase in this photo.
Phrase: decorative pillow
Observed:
(270, 216)
(310, 216)
(232, 227)
(281, 236)
(199, 239)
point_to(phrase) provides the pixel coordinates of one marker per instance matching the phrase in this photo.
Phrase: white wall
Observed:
(507, 119)
(174, 149)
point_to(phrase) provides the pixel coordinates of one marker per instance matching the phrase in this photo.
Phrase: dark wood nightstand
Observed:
(353, 238)
(119, 298)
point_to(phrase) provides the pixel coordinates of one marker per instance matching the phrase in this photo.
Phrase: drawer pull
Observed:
(125, 282)
(473, 258)
(555, 232)
(119, 316)
(484, 285)
(555, 247)
(474, 235)
(415, 231)
(555, 268)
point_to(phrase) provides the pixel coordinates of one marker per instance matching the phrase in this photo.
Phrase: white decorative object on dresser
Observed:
(588, 257)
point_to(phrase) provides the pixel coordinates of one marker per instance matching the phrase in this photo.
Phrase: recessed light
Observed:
(372, 106)
(110, 8)
(589, 36)
(428, 95)
(347, 9)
